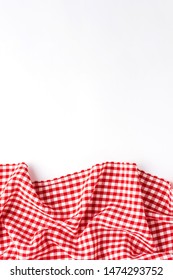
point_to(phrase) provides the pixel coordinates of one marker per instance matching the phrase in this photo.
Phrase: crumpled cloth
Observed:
(111, 211)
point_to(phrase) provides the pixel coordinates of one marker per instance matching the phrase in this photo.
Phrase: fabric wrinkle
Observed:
(112, 210)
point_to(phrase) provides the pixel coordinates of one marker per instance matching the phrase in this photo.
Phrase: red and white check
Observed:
(111, 211)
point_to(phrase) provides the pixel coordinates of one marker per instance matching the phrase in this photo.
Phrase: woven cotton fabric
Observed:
(110, 211)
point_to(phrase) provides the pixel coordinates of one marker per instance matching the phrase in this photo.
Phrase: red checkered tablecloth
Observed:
(110, 211)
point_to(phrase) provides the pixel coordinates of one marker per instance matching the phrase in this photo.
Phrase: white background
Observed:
(83, 82)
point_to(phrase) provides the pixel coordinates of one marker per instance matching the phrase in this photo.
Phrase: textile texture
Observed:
(111, 211)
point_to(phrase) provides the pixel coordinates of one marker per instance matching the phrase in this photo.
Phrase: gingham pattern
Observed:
(110, 211)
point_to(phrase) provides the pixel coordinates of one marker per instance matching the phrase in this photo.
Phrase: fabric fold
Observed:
(112, 210)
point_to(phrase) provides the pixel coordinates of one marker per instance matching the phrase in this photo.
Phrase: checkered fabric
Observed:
(110, 211)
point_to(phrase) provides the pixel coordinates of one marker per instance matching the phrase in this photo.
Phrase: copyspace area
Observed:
(83, 82)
